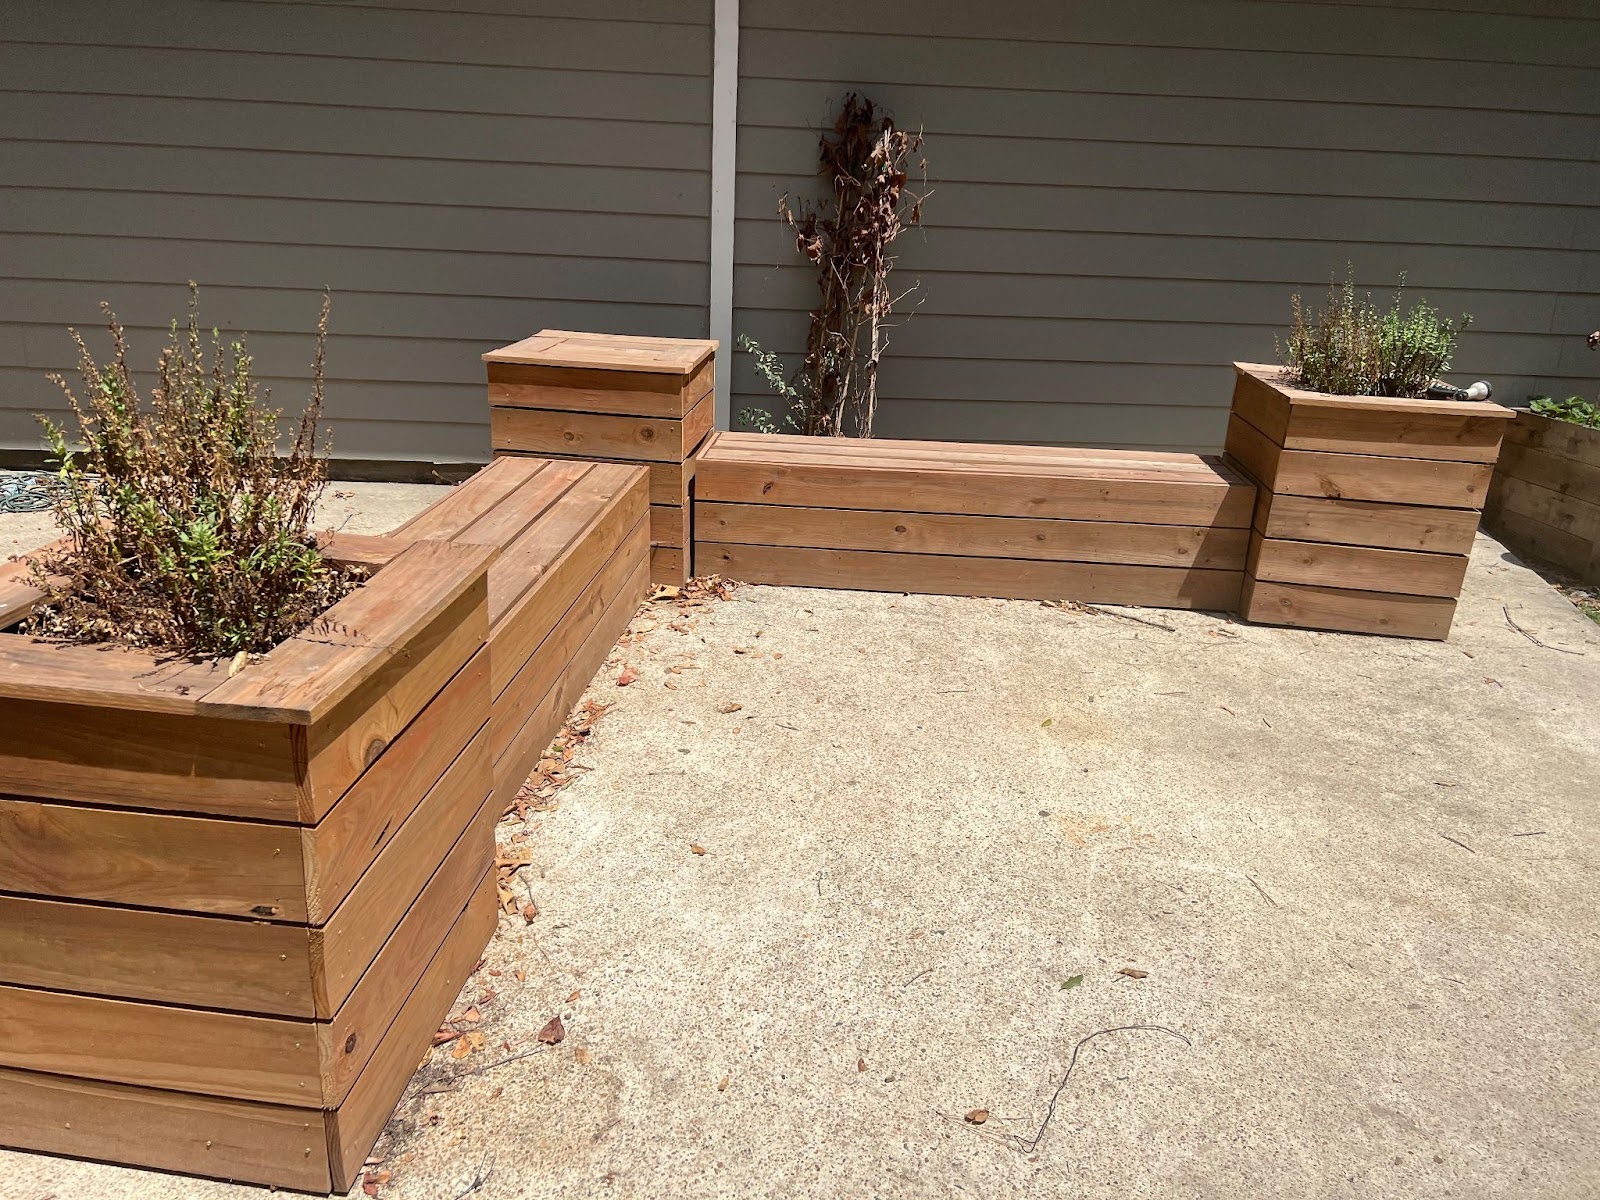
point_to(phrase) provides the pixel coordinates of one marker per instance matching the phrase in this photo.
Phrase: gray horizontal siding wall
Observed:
(1127, 192)
(459, 179)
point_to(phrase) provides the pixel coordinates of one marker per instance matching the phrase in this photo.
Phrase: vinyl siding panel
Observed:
(458, 179)
(1126, 194)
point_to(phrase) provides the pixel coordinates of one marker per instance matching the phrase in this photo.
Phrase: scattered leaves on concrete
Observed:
(1075, 981)
(553, 1032)
(696, 848)
(556, 768)
(977, 1116)
(629, 675)
(730, 708)
(1134, 973)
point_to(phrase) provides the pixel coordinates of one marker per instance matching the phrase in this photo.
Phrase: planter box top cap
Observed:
(300, 681)
(606, 352)
(1276, 377)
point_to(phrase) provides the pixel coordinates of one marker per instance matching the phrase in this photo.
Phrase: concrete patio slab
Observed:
(1341, 888)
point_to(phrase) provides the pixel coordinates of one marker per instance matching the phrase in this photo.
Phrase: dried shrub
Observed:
(188, 532)
(865, 163)
(1352, 347)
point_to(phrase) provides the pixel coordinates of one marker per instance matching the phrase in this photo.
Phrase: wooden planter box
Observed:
(233, 911)
(1367, 505)
(1545, 498)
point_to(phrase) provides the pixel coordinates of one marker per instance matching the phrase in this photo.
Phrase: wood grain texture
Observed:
(1569, 476)
(1160, 587)
(468, 501)
(1388, 480)
(1346, 610)
(344, 947)
(679, 357)
(1361, 523)
(986, 481)
(610, 583)
(669, 565)
(668, 481)
(530, 740)
(668, 525)
(1535, 431)
(620, 393)
(270, 1059)
(175, 958)
(1361, 568)
(354, 1128)
(136, 759)
(170, 1131)
(989, 537)
(154, 860)
(600, 435)
(346, 842)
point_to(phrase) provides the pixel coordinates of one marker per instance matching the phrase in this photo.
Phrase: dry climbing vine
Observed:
(866, 163)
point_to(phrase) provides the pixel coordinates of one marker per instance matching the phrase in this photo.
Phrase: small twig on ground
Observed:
(1542, 645)
(481, 1176)
(1262, 890)
(1095, 610)
(1532, 833)
(1029, 1145)
(919, 975)
(510, 1058)
(1462, 844)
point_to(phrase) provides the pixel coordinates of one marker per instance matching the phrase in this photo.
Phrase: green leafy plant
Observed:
(1352, 347)
(1574, 408)
(770, 367)
(187, 531)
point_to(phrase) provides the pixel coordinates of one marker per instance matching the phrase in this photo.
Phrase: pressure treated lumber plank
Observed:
(361, 639)
(1075, 493)
(667, 525)
(1549, 435)
(607, 352)
(620, 393)
(373, 550)
(983, 536)
(545, 718)
(349, 1040)
(1454, 430)
(524, 508)
(177, 958)
(1569, 476)
(353, 1129)
(1362, 523)
(539, 576)
(668, 481)
(1347, 610)
(1528, 536)
(1567, 513)
(171, 1131)
(1158, 587)
(610, 583)
(104, 677)
(669, 565)
(359, 927)
(1361, 568)
(269, 1059)
(641, 439)
(339, 849)
(338, 749)
(155, 860)
(468, 501)
(140, 759)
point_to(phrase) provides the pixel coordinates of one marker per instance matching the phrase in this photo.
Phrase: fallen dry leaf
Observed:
(1133, 973)
(722, 1084)
(522, 976)
(445, 1035)
(696, 848)
(471, 1017)
(553, 1032)
(730, 708)
(530, 910)
(573, 999)
(461, 1049)
(861, 1064)
(583, 1056)
(628, 675)
(977, 1116)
